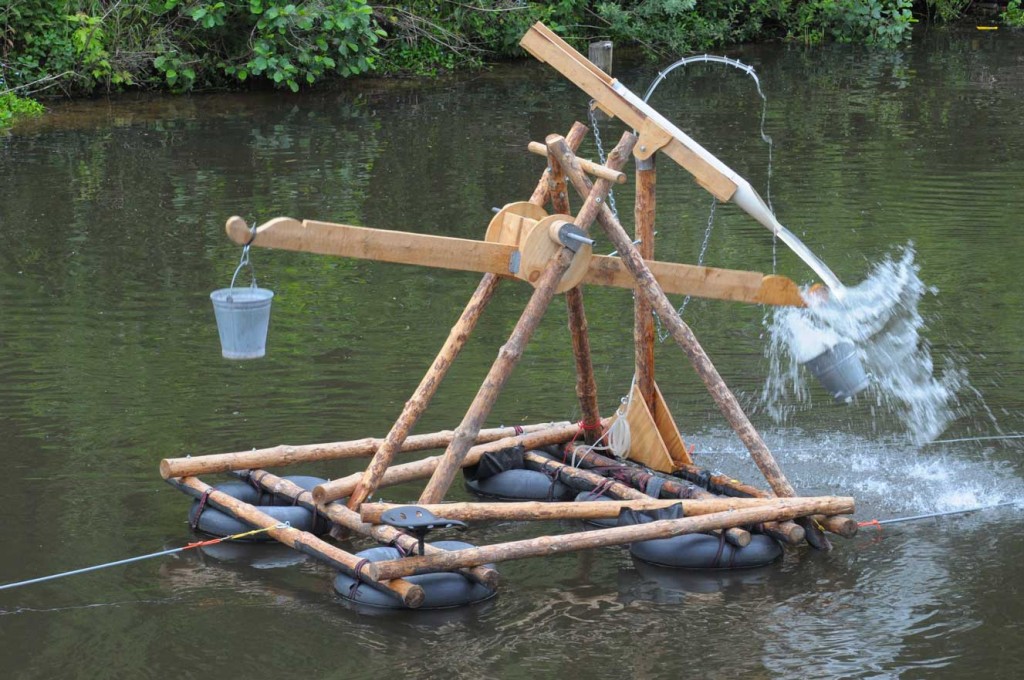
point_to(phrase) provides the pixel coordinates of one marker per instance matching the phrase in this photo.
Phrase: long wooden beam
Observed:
(401, 247)
(285, 454)
(789, 508)
(539, 511)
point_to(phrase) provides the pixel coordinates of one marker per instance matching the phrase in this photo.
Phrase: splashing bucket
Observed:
(839, 371)
(243, 315)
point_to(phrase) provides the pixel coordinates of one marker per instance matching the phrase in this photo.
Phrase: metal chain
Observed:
(600, 152)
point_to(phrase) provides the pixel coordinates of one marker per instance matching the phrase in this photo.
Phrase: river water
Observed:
(112, 216)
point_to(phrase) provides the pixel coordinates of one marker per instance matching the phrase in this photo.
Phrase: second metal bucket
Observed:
(839, 371)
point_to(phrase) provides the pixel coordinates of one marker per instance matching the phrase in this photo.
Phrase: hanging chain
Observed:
(662, 333)
(600, 151)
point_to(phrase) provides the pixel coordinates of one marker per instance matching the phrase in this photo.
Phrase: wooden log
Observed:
(285, 454)
(556, 433)
(787, 532)
(509, 354)
(540, 511)
(420, 399)
(586, 384)
(342, 516)
(590, 167)
(409, 593)
(726, 401)
(643, 319)
(846, 527)
(576, 134)
(597, 538)
(589, 480)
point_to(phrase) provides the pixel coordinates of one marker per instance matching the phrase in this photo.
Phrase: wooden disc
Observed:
(513, 221)
(538, 247)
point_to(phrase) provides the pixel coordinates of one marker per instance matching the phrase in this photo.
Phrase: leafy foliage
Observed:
(1013, 15)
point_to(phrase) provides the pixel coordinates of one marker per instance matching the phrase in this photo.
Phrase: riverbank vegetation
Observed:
(82, 47)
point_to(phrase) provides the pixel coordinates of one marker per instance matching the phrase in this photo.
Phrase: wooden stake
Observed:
(509, 354)
(538, 511)
(586, 480)
(597, 538)
(643, 319)
(648, 287)
(556, 433)
(342, 516)
(590, 167)
(284, 454)
(409, 593)
(586, 384)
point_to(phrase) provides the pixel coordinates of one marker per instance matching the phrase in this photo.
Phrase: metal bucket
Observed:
(243, 318)
(839, 371)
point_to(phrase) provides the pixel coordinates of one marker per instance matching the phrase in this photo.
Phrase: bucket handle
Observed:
(245, 261)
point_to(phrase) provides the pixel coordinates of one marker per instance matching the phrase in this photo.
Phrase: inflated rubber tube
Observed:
(697, 551)
(214, 522)
(701, 551)
(520, 485)
(440, 591)
(586, 496)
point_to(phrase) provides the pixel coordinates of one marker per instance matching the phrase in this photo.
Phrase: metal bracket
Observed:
(513, 262)
(572, 237)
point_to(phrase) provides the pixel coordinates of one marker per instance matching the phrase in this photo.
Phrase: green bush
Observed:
(12, 106)
(1013, 15)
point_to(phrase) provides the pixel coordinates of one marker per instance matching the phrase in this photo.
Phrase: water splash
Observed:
(881, 318)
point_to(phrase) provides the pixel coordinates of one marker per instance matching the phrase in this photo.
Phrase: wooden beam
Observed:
(597, 538)
(590, 167)
(540, 511)
(285, 454)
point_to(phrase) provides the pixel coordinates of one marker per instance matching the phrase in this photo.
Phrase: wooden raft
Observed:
(553, 254)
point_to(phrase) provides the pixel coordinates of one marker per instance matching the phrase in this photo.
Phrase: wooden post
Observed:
(600, 54)
(278, 456)
(788, 532)
(643, 319)
(409, 593)
(586, 384)
(350, 520)
(597, 538)
(589, 480)
(540, 511)
(648, 287)
(509, 354)
(425, 467)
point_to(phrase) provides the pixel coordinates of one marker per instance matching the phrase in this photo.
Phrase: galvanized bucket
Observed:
(243, 316)
(839, 371)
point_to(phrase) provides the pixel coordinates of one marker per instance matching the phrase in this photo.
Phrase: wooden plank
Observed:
(549, 48)
(460, 254)
(674, 444)
(646, 445)
(326, 238)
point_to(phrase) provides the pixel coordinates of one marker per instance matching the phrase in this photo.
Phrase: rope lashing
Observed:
(162, 553)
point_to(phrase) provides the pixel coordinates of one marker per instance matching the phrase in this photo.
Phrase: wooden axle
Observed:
(285, 454)
(788, 508)
(589, 167)
(538, 511)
